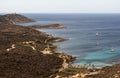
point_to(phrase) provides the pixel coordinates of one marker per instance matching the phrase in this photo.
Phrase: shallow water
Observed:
(81, 31)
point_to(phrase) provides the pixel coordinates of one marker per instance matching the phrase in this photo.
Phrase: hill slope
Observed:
(14, 18)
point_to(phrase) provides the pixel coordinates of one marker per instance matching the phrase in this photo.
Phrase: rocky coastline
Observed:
(28, 53)
(52, 26)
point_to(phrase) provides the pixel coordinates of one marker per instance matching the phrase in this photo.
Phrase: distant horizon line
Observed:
(59, 13)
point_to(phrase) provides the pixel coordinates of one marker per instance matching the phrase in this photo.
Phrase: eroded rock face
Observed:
(14, 18)
(67, 61)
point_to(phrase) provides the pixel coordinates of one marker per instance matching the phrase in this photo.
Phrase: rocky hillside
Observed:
(14, 18)
(27, 53)
(107, 72)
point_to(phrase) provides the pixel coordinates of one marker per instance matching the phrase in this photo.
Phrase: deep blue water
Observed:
(81, 31)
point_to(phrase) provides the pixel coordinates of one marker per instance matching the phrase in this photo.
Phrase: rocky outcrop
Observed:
(107, 72)
(14, 18)
(67, 61)
(84, 72)
(53, 26)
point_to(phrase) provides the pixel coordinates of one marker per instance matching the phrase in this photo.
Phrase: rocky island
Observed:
(28, 53)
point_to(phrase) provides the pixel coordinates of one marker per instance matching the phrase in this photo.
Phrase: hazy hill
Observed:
(14, 18)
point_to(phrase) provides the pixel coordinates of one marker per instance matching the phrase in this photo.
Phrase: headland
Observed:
(28, 53)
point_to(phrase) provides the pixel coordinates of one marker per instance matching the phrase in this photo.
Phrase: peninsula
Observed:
(52, 26)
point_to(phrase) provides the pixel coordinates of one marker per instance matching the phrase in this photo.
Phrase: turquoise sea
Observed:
(91, 36)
